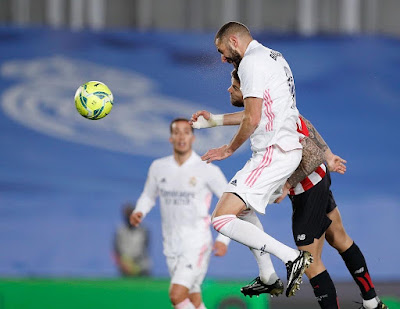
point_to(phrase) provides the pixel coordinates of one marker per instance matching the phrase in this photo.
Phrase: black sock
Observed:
(324, 290)
(357, 266)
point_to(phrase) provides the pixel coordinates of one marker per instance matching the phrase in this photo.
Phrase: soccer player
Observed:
(315, 214)
(184, 185)
(269, 120)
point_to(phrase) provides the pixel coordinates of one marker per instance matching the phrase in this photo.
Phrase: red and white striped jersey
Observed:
(310, 181)
(316, 176)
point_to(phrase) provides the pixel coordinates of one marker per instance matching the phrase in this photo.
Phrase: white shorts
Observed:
(259, 182)
(189, 269)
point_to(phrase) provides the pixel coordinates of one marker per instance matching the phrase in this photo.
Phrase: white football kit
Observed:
(185, 194)
(265, 74)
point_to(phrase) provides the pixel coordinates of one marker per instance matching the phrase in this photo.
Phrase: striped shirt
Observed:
(316, 176)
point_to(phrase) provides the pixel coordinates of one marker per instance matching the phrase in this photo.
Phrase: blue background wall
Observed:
(63, 178)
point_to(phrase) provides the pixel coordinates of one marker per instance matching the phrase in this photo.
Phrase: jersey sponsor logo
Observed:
(177, 198)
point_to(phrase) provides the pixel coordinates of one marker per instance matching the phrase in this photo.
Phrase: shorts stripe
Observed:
(258, 170)
(201, 255)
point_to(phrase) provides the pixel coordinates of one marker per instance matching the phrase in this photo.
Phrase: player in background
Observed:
(269, 121)
(184, 185)
(315, 213)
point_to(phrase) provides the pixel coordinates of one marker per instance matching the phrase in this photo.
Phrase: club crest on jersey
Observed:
(193, 181)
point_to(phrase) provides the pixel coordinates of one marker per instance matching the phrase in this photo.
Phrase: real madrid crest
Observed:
(193, 181)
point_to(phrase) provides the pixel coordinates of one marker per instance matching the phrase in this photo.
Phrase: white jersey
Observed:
(265, 74)
(185, 194)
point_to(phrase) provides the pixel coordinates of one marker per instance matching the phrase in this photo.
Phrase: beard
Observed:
(237, 102)
(235, 57)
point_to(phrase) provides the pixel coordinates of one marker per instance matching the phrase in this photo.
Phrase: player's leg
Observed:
(197, 300)
(354, 259)
(179, 296)
(320, 280)
(181, 281)
(309, 223)
(268, 280)
(226, 222)
(252, 187)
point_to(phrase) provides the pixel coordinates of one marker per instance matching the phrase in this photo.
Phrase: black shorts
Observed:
(310, 209)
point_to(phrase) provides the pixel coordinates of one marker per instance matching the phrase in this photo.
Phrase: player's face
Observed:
(228, 53)
(235, 94)
(182, 137)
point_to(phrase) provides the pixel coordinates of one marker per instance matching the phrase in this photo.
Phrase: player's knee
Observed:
(338, 239)
(177, 296)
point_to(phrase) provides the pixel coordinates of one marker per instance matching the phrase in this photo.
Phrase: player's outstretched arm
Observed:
(204, 119)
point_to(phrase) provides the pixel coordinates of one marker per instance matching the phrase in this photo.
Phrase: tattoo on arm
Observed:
(312, 157)
(315, 136)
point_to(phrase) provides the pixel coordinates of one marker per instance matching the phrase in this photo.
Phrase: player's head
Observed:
(235, 93)
(182, 136)
(231, 41)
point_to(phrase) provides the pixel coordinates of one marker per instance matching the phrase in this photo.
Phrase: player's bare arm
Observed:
(251, 119)
(205, 119)
(312, 157)
(334, 162)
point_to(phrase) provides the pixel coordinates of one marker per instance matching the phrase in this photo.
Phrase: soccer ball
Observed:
(94, 100)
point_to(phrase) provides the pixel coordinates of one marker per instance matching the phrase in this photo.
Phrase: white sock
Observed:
(267, 271)
(371, 303)
(202, 306)
(185, 304)
(252, 237)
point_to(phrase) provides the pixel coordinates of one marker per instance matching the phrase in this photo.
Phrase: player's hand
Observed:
(196, 115)
(136, 218)
(220, 248)
(217, 154)
(285, 192)
(336, 164)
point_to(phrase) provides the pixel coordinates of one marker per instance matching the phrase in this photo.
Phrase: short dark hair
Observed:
(177, 120)
(235, 75)
(230, 28)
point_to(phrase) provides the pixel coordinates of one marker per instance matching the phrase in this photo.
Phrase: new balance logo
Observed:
(301, 237)
(359, 271)
(320, 298)
(234, 182)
